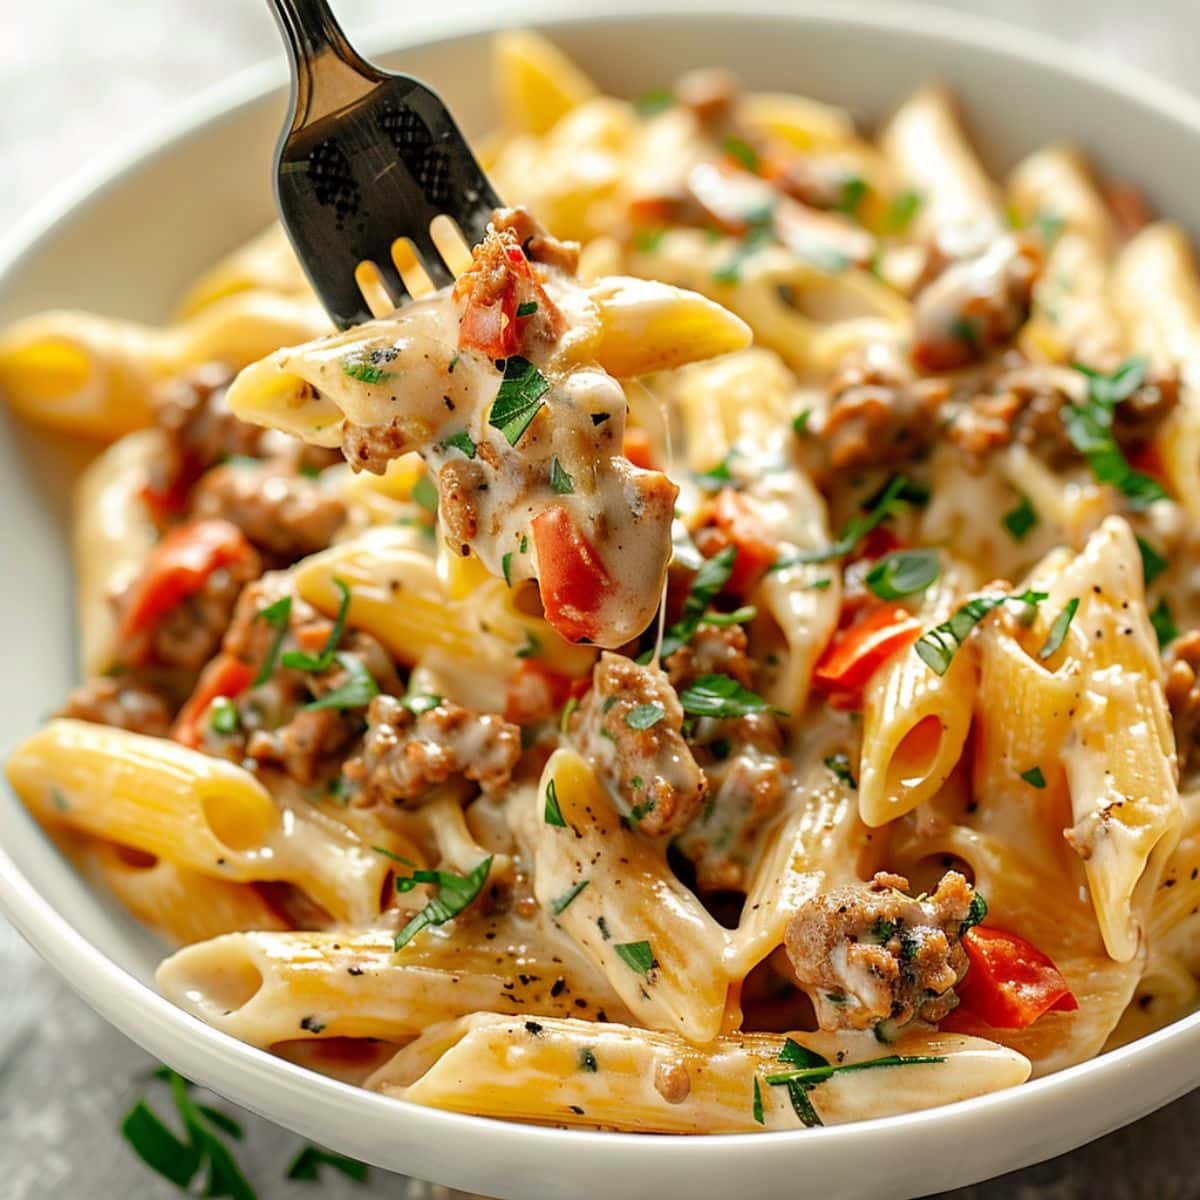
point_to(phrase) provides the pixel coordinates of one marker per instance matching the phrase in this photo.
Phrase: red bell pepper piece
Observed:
(638, 450)
(178, 567)
(497, 329)
(756, 546)
(1010, 982)
(857, 652)
(535, 691)
(224, 676)
(572, 578)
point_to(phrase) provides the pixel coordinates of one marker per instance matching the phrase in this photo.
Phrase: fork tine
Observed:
(431, 258)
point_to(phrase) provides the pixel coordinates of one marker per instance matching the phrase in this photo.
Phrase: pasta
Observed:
(737, 674)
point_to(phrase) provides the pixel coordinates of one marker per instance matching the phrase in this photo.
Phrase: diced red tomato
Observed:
(1149, 461)
(178, 567)
(573, 580)
(497, 329)
(638, 450)
(653, 210)
(1010, 982)
(857, 652)
(224, 676)
(535, 692)
(756, 545)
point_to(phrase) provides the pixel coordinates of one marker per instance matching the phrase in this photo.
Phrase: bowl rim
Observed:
(203, 1052)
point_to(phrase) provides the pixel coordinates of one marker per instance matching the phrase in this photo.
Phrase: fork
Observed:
(366, 159)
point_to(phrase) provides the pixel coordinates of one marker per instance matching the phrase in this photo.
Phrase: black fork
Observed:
(366, 158)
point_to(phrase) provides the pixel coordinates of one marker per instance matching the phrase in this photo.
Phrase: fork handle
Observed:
(320, 56)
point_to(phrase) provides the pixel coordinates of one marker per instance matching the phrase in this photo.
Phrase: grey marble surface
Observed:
(71, 73)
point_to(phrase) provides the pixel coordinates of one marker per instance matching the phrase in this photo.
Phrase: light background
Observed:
(75, 75)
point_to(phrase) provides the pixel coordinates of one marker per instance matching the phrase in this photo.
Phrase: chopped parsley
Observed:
(739, 616)
(223, 716)
(706, 586)
(720, 696)
(637, 956)
(527, 308)
(647, 240)
(903, 573)
(742, 152)
(425, 494)
(1090, 428)
(757, 1106)
(452, 364)
(1034, 777)
(277, 615)
(1020, 519)
(559, 906)
(854, 190)
(1153, 563)
(306, 1165)
(322, 662)
(519, 400)
(532, 646)
(506, 567)
(976, 914)
(358, 691)
(1050, 225)
(936, 647)
(364, 369)
(408, 862)
(1164, 623)
(904, 207)
(839, 765)
(645, 716)
(560, 482)
(552, 814)
(454, 893)
(654, 101)
(420, 702)
(757, 236)
(1058, 631)
(715, 478)
(894, 497)
(463, 441)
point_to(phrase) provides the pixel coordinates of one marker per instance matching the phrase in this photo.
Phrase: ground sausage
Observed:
(285, 515)
(650, 770)
(536, 242)
(403, 755)
(120, 701)
(1182, 663)
(869, 952)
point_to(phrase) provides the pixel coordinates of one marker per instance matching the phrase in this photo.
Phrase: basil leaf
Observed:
(636, 955)
(903, 573)
(801, 1056)
(463, 441)
(1058, 631)
(321, 662)
(357, 692)
(276, 615)
(560, 482)
(552, 814)
(519, 399)
(305, 1166)
(936, 647)
(720, 696)
(1020, 519)
(1164, 623)
(645, 716)
(158, 1147)
(1090, 429)
(454, 893)
(557, 907)
(1034, 777)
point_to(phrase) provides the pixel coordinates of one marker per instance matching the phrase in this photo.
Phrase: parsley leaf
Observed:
(321, 662)
(839, 764)
(647, 241)
(720, 696)
(757, 236)
(454, 893)
(1020, 519)
(903, 573)
(552, 814)
(420, 702)
(560, 482)
(976, 914)
(1153, 563)
(305, 1165)
(1164, 623)
(356, 366)
(715, 478)
(1058, 631)
(758, 1107)
(277, 615)
(742, 152)
(463, 441)
(904, 208)
(637, 956)
(655, 100)
(1034, 777)
(936, 647)
(425, 494)
(1090, 428)
(712, 576)
(854, 189)
(519, 399)
(358, 691)
(223, 716)
(527, 308)
(506, 567)
(558, 906)
(645, 716)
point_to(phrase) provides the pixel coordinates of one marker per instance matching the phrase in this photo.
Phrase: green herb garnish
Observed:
(904, 208)
(587, 1060)
(645, 716)
(1058, 631)
(301, 661)
(757, 1106)
(936, 647)
(552, 814)
(712, 576)
(463, 441)
(655, 100)
(223, 716)
(839, 765)
(357, 692)
(277, 615)
(454, 893)
(637, 956)
(527, 308)
(519, 400)
(1153, 563)
(1020, 519)
(420, 702)
(306, 1165)
(560, 482)
(364, 370)
(1164, 623)
(854, 189)
(742, 152)
(720, 696)
(1034, 777)
(648, 240)
(903, 573)
(976, 913)
(425, 494)
(739, 616)
(557, 907)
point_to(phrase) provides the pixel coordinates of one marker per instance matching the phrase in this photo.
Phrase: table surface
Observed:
(71, 72)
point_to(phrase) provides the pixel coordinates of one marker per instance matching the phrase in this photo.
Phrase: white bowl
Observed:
(127, 239)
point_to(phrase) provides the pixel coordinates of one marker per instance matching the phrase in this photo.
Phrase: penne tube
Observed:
(537, 83)
(266, 263)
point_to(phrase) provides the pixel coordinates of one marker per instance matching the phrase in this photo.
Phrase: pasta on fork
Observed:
(728, 663)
